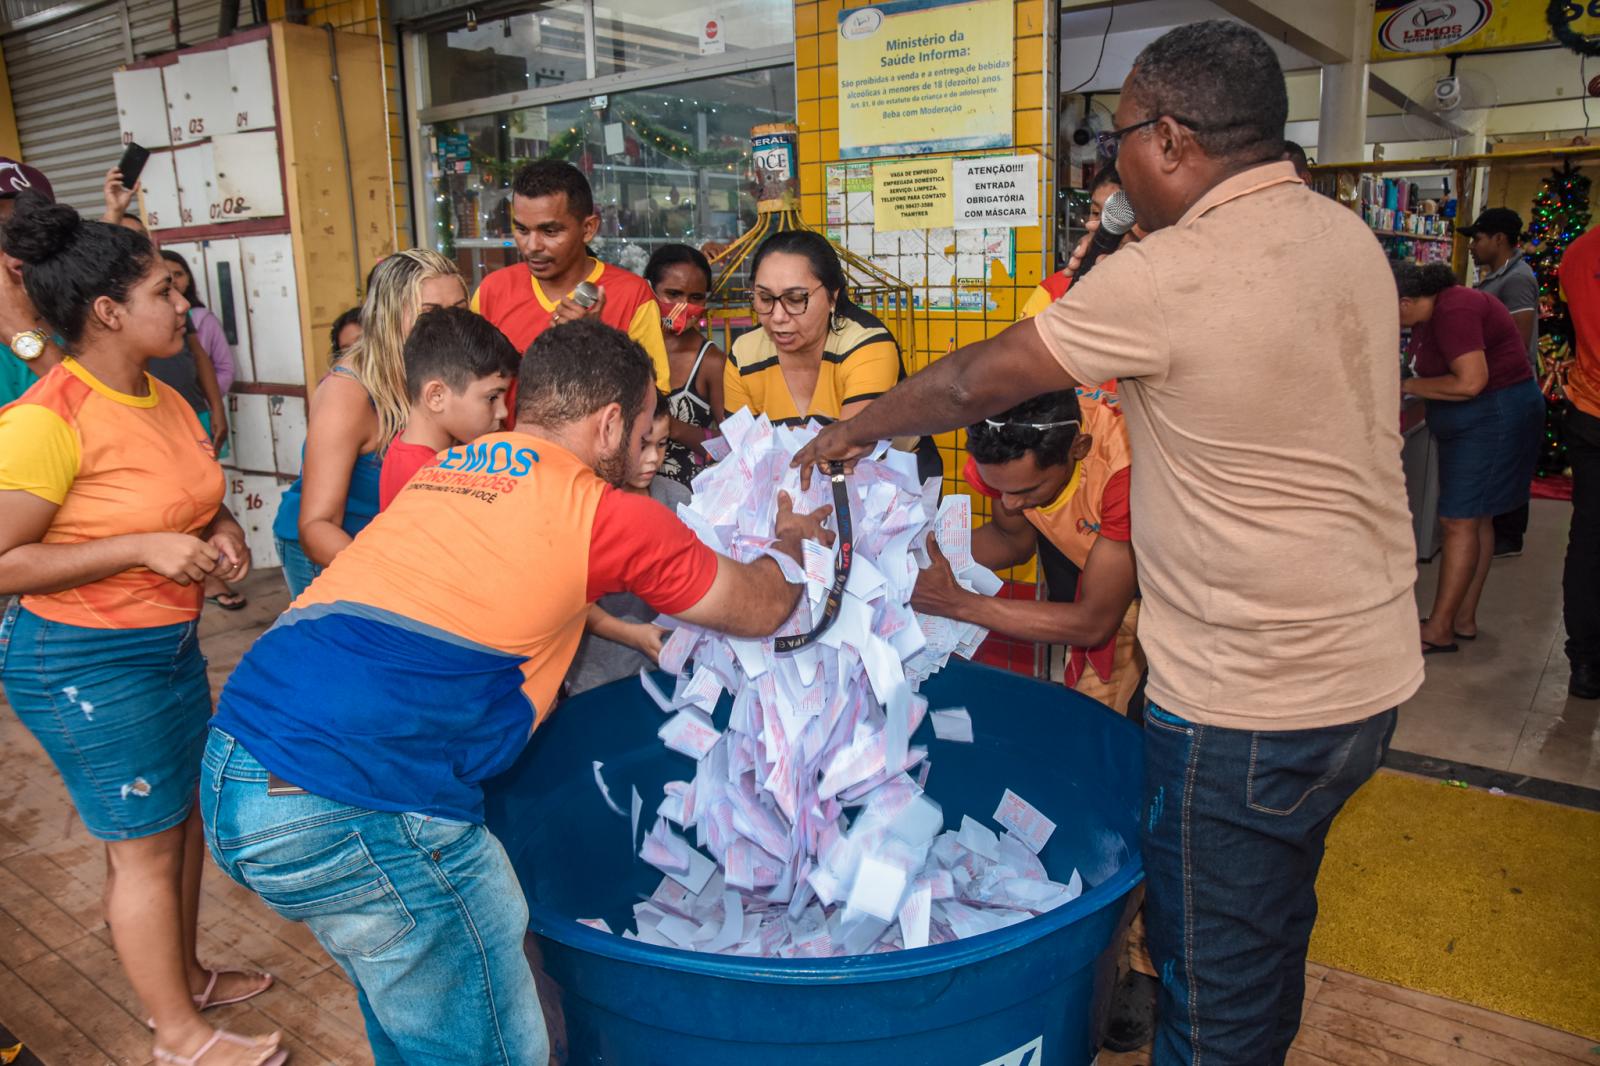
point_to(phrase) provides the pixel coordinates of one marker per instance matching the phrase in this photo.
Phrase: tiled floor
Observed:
(1501, 703)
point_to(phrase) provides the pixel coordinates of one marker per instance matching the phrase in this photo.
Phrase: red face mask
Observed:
(682, 317)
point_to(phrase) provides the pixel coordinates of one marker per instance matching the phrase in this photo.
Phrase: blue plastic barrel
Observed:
(1027, 995)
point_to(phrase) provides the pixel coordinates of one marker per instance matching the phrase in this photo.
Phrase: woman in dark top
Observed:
(681, 278)
(1485, 410)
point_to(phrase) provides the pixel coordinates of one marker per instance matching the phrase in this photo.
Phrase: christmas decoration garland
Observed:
(1559, 14)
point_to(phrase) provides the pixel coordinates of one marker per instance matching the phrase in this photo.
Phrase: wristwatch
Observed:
(29, 344)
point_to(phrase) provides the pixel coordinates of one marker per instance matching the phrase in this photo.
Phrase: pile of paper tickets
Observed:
(821, 841)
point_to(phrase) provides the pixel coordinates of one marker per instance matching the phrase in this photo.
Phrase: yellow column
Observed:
(10, 140)
(816, 82)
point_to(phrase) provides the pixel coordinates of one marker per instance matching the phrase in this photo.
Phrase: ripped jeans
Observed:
(1233, 832)
(121, 712)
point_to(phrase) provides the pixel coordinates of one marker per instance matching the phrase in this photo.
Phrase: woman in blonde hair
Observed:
(357, 410)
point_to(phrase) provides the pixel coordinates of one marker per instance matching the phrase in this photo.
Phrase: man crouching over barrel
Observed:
(342, 776)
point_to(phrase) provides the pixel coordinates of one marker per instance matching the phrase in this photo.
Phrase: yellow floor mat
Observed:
(1491, 900)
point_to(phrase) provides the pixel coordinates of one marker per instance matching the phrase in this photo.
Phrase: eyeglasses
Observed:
(795, 301)
(1039, 426)
(1110, 141)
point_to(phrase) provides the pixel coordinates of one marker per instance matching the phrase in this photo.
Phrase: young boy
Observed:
(621, 637)
(458, 369)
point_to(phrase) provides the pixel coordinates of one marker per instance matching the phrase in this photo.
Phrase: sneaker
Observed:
(1585, 682)
(1132, 1023)
(1505, 548)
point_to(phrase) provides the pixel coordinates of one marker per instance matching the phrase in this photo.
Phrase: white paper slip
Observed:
(689, 733)
(653, 690)
(699, 872)
(595, 923)
(979, 839)
(1024, 820)
(954, 724)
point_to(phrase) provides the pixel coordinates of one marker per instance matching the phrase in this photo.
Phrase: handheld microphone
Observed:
(587, 292)
(1116, 219)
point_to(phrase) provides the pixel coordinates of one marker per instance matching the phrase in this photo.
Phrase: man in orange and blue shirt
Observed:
(553, 220)
(345, 765)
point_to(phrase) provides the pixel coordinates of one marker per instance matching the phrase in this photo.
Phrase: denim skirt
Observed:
(1488, 447)
(122, 713)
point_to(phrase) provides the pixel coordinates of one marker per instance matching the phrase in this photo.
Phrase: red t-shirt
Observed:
(1469, 320)
(401, 461)
(637, 545)
(1580, 287)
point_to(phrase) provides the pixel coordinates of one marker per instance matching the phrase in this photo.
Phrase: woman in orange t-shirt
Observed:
(111, 518)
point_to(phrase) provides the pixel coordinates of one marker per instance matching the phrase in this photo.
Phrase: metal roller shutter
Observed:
(61, 88)
(60, 73)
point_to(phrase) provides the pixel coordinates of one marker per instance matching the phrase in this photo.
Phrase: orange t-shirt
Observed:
(1580, 286)
(113, 464)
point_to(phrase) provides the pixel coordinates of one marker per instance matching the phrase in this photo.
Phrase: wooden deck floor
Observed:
(63, 993)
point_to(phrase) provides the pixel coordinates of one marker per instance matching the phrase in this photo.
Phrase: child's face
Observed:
(655, 449)
(478, 409)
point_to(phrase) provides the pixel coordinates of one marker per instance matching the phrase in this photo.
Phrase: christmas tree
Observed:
(1560, 214)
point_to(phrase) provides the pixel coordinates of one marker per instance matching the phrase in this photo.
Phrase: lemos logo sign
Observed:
(1433, 25)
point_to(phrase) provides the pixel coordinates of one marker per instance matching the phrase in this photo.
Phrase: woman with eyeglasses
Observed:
(816, 355)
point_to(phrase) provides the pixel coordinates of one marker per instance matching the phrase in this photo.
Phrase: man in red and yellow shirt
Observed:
(1058, 468)
(347, 758)
(1580, 583)
(552, 221)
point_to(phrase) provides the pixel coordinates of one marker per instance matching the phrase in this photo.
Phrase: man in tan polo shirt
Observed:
(1253, 334)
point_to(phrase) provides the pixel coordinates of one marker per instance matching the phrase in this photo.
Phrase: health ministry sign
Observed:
(1405, 28)
(919, 76)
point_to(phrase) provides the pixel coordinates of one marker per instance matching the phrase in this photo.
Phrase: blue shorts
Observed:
(122, 713)
(1488, 447)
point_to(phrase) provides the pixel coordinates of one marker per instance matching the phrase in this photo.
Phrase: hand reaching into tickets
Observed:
(647, 638)
(830, 445)
(937, 592)
(791, 528)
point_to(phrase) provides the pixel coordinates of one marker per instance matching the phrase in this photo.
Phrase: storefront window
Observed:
(638, 34)
(667, 164)
(503, 55)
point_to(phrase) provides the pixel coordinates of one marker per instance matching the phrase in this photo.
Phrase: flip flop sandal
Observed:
(218, 1036)
(238, 603)
(203, 1001)
(1429, 648)
(1458, 636)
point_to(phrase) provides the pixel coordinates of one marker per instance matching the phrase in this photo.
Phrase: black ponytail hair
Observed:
(189, 294)
(819, 253)
(69, 262)
(670, 255)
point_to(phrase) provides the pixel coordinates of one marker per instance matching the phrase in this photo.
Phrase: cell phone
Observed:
(132, 164)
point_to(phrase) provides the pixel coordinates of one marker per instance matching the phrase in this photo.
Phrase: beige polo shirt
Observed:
(1257, 345)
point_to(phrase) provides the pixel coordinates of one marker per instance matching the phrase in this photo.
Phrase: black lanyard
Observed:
(841, 567)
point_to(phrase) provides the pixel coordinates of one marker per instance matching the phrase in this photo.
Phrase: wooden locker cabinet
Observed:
(247, 179)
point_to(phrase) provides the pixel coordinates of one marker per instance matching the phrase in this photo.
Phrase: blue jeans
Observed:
(1233, 832)
(425, 915)
(298, 569)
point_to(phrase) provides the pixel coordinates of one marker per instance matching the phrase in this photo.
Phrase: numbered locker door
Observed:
(225, 281)
(197, 178)
(249, 184)
(142, 108)
(160, 193)
(254, 107)
(253, 499)
(198, 101)
(274, 304)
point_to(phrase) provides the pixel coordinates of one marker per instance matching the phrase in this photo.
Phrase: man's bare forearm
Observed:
(974, 382)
